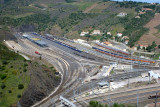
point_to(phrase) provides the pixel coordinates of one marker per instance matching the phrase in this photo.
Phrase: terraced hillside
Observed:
(70, 17)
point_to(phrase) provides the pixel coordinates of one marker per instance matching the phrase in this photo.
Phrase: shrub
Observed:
(9, 91)
(2, 67)
(3, 86)
(14, 72)
(5, 62)
(25, 70)
(3, 76)
(25, 60)
(20, 86)
(54, 70)
(25, 65)
(19, 96)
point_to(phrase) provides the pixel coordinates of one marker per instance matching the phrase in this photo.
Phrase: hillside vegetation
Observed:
(73, 16)
(13, 77)
(21, 79)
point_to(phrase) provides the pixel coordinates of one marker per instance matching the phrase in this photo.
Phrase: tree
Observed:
(116, 38)
(5, 62)
(106, 105)
(25, 70)
(94, 104)
(3, 86)
(3, 76)
(137, 9)
(106, 0)
(138, 47)
(20, 86)
(159, 46)
(97, 104)
(149, 48)
(40, 57)
(101, 39)
(153, 45)
(19, 96)
(9, 91)
(88, 36)
(144, 48)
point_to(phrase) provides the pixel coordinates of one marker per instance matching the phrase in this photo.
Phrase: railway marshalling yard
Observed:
(103, 74)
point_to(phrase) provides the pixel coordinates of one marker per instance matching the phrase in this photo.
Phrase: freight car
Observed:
(112, 49)
(122, 57)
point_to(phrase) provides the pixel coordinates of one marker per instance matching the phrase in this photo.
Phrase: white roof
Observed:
(103, 83)
(154, 74)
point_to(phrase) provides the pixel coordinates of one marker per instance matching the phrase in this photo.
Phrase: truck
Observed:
(36, 52)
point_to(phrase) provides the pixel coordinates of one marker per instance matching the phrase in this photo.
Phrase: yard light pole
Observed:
(128, 83)
(156, 100)
(139, 61)
(137, 99)
(130, 69)
(149, 75)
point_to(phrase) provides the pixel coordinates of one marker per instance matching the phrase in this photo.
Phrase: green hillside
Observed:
(65, 17)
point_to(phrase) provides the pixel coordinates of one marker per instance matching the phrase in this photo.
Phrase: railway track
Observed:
(128, 96)
(83, 87)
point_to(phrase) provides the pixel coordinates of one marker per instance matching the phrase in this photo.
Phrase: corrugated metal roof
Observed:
(41, 42)
(27, 35)
(103, 83)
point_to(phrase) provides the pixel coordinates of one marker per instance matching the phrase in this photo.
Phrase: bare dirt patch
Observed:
(153, 34)
(56, 30)
(6, 35)
(90, 8)
(100, 7)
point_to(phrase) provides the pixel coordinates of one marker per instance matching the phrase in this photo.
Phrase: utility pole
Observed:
(154, 59)
(109, 85)
(53, 102)
(139, 59)
(40, 56)
(128, 83)
(156, 100)
(149, 75)
(144, 64)
(130, 69)
(137, 99)
(74, 93)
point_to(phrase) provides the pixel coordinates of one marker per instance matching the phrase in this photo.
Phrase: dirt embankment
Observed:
(27, 28)
(6, 35)
(153, 34)
(90, 8)
(43, 82)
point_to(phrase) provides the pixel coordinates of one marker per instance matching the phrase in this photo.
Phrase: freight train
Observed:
(154, 96)
(112, 49)
(123, 57)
